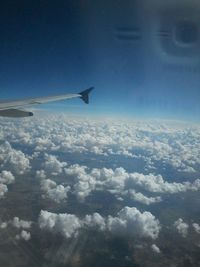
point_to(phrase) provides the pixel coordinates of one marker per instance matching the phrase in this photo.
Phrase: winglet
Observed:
(85, 95)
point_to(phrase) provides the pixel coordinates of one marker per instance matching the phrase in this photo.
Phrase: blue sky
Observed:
(52, 48)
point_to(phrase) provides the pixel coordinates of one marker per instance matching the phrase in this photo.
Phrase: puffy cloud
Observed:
(3, 190)
(47, 184)
(3, 225)
(181, 227)
(53, 191)
(76, 170)
(14, 160)
(137, 196)
(6, 177)
(41, 174)
(52, 165)
(43, 144)
(155, 248)
(20, 226)
(129, 222)
(96, 179)
(95, 221)
(118, 181)
(83, 188)
(65, 224)
(156, 183)
(58, 194)
(24, 235)
(196, 227)
(16, 222)
(85, 183)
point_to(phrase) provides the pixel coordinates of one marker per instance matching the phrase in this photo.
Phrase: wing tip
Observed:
(85, 94)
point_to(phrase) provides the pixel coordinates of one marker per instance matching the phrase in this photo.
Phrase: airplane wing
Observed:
(13, 108)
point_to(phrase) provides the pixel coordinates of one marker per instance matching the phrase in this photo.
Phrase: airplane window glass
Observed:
(100, 133)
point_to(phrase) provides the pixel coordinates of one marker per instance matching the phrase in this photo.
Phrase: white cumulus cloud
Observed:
(181, 227)
(3, 225)
(137, 196)
(16, 222)
(120, 182)
(24, 235)
(65, 224)
(196, 227)
(155, 248)
(14, 160)
(52, 165)
(53, 191)
(129, 222)
(6, 177)
(3, 190)
(95, 221)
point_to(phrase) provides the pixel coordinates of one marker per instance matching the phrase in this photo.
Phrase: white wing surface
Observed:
(13, 108)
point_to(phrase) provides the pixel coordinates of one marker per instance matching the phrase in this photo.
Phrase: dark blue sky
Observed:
(127, 49)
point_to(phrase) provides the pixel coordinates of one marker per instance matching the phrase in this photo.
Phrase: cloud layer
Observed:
(120, 182)
(172, 144)
(129, 222)
(138, 163)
